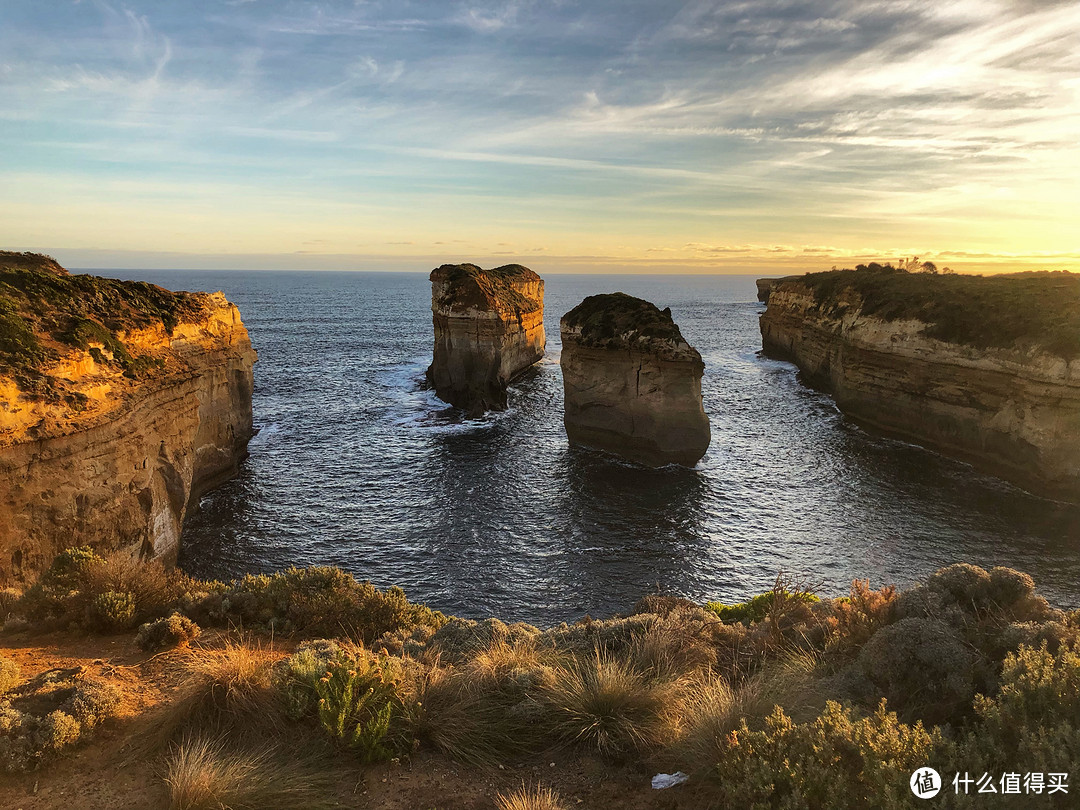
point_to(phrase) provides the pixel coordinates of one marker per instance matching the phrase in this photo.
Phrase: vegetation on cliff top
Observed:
(472, 286)
(619, 321)
(44, 310)
(797, 701)
(1039, 309)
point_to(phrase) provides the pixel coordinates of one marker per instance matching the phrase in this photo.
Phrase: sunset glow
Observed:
(583, 137)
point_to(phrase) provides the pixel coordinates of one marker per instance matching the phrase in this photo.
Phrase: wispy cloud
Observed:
(750, 124)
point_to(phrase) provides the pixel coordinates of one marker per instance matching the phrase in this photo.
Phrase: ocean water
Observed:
(357, 465)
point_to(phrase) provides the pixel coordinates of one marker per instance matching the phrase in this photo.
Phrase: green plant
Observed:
(836, 761)
(357, 702)
(169, 631)
(1032, 723)
(783, 604)
(112, 611)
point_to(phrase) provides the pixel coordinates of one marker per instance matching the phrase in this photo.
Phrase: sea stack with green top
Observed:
(632, 384)
(489, 329)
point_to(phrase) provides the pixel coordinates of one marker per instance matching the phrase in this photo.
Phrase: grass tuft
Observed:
(526, 798)
(203, 774)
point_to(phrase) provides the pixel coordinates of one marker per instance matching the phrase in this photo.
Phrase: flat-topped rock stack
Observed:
(632, 384)
(489, 328)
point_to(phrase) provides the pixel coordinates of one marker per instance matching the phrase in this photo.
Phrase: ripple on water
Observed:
(356, 464)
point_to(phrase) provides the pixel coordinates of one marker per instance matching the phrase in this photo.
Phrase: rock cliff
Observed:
(764, 287)
(632, 384)
(120, 404)
(983, 369)
(489, 328)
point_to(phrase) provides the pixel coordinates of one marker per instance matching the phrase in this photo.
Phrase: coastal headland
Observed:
(985, 369)
(120, 404)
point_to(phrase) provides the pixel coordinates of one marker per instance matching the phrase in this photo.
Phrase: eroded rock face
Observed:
(1014, 412)
(489, 328)
(764, 287)
(632, 384)
(115, 420)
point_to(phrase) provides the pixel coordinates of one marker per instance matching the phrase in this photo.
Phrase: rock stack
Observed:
(489, 328)
(632, 384)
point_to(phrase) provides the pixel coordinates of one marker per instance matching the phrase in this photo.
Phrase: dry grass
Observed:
(672, 649)
(526, 798)
(203, 774)
(223, 691)
(713, 709)
(603, 702)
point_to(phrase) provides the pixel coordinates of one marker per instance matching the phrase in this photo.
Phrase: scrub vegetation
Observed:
(1039, 310)
(307, 679)
(45, 311)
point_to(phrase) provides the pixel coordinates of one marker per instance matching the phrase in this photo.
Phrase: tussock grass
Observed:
(526, 798)
(603, 702)
(203, 774)
(223, 691)
(713, 709)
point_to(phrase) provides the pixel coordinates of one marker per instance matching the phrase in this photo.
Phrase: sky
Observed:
(592, 136)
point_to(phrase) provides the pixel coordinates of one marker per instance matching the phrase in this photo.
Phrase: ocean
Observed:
(357, 465)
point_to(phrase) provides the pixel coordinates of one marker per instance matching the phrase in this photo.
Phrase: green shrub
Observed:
(924, 668)
(353, 693)
(786, 597)
(315, 601)
(357, 702)
(835, 761)
(50, 713)
(1032, 723)
(169, 631)
(112, 611)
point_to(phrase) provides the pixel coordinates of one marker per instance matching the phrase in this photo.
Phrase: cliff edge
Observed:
(632, 384)
(986, 369)
(489, 328)
(121, 403)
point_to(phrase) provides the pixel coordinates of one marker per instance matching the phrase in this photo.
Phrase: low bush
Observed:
(1031, 724)
(838, 760)
(107, 594)
(925, 668)
(50, 713)
(322, 601)
(9, 674)
(169, 631)
(112, 611)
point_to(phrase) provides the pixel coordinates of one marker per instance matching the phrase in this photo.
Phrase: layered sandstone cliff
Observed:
(489, 328)
(632, 384)
(983, 369)
(121, 403)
